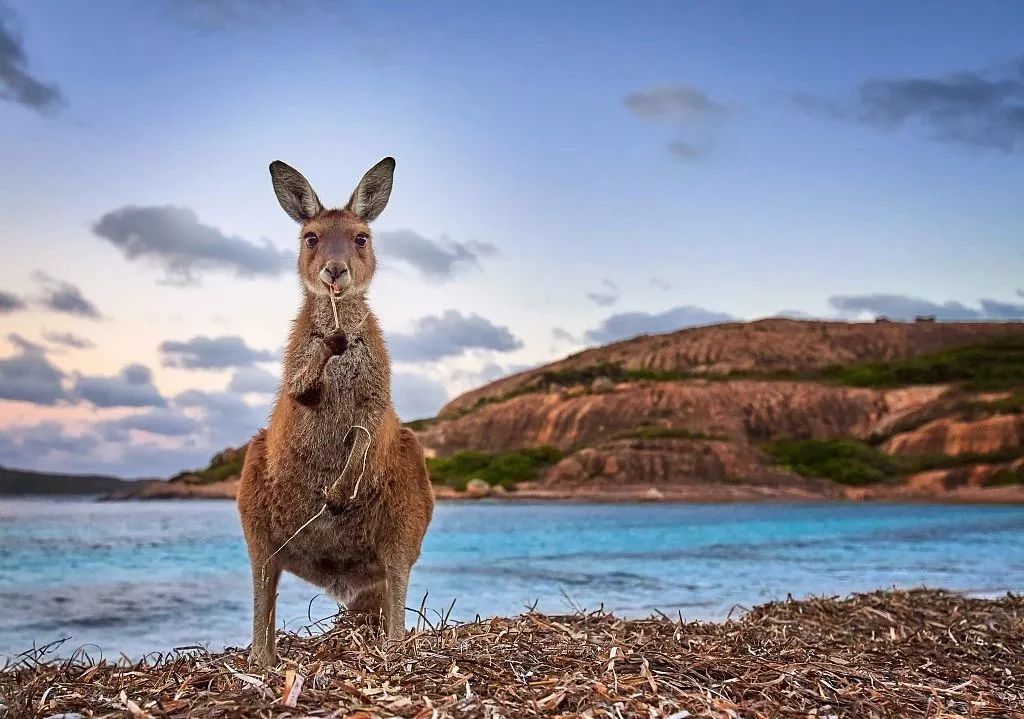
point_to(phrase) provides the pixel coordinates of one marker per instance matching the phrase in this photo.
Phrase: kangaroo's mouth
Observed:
(337, 289)
(336, 283)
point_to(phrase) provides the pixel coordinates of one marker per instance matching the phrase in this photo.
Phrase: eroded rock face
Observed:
(718, 426)
(951, 436)
(769, 345)
(737, 411)
(660, 462)
(708, 431)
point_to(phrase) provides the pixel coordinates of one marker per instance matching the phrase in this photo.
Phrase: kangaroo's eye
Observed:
(361, 240)
(311, 239)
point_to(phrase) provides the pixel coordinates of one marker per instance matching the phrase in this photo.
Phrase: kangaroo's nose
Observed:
(335, 270)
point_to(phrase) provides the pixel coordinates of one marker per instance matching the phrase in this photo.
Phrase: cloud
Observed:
(131, 387)
(434, 260)
(17, 83)
(603, 299)
(227, 418)
(175, 241)
(253, 379)
(795, 315)
(212, 353)
(816, 105)
(51, 446)
(29, 376)
(416, 395)
(996, 310)
(465, 378)
(609, 295)
(690, 150)
(687, 109)
(564, 335)
(33, 445)
(631, 324)
(981, 109)
(161, 421)
(228, 14)
(10, 303)
(450, 334)
(67, 339)
(903, 307)
(674, 105)
(61, 296)
(661, 283)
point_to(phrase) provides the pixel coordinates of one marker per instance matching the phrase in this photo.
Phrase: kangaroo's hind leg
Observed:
(398, 589)
(265, 577)
(266, 568)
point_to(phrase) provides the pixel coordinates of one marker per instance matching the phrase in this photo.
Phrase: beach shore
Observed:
(899, 653)
(693, 493)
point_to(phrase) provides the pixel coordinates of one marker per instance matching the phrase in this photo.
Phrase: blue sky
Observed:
(568, 174)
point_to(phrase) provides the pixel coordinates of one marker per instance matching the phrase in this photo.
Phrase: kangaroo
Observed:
(335, 489)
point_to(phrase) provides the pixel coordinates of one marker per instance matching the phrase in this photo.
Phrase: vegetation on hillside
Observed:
(648, 431)
(1008, 476)
(1012, 403)
(995, 365)
(852, 462)
(505, 469)
(222, 466)
(845, 461)
(992, 366)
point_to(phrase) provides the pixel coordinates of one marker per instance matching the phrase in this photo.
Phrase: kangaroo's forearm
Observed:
(305, 385)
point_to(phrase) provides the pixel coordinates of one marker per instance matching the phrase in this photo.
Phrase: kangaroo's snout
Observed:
(333, 270)
(336, 275)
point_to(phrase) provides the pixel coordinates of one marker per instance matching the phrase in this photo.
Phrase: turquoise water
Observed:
(139, 577)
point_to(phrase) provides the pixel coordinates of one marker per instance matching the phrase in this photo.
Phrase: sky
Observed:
(568, 174)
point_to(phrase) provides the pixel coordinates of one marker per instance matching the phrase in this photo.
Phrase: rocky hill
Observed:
(769, 409)
(773, 409)
(16, 482)
(218, 480)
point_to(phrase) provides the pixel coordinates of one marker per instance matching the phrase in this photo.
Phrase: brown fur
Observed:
(362, 548)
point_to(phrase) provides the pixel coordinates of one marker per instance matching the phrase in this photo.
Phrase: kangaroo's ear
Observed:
(372, 193)
(294, 192)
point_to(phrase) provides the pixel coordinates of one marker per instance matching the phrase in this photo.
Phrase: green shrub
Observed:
(502, 468)
(1011, 404)
(582, 375)
(418, 425)
(850, 461)
(641, 374)
(991, 366)
(657, 432)
(213, 473)
(1007, 476)
(845, 461)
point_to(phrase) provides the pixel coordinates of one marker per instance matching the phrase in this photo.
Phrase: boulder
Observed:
(477, 489)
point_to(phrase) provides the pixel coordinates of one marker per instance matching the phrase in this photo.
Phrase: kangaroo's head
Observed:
(336, 247)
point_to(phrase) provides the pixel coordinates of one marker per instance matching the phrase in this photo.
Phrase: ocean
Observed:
(132, 578)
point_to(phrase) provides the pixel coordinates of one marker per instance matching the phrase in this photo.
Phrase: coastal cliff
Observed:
(773, 409)
(770, 409)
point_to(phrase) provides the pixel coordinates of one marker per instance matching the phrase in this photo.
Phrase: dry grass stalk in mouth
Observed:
(921, 653)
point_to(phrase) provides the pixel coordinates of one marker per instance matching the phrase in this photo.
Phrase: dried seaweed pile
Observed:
(888, 654)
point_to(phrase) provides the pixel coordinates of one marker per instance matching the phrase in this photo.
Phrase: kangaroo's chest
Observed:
(348, 383)
(321, 434)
